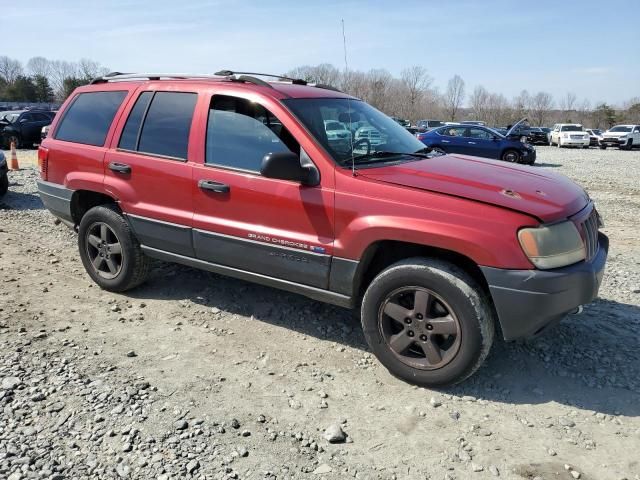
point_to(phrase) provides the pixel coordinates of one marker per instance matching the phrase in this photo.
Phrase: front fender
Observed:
(484, 243)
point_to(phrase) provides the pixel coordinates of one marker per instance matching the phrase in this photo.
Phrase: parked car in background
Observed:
(473, 122)
(44, 132)
(537, 135)
(337, 133)
(595, 135)
(625, 137)
(4, 179)
(23, 127)
(402, 121)
(426, 125)
(569, 135)
(480, 141)
(369, 135)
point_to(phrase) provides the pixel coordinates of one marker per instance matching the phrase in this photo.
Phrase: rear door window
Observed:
(166, 127)
(131, 132)
(88, 118)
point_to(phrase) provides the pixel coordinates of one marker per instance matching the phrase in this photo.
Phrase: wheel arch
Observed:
(84, 200)
(383, 253)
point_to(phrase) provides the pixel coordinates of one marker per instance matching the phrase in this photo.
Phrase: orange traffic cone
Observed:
(13, 163)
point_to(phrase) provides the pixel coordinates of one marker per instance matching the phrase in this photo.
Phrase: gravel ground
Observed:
(198, 376)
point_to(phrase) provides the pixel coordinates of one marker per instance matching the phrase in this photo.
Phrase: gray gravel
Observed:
(198, 376)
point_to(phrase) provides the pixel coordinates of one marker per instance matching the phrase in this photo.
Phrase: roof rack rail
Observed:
(295, 81)
(231, 75)
(115, 76)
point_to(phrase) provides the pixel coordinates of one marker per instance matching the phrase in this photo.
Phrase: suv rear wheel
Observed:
(109, 250)
(427, 321)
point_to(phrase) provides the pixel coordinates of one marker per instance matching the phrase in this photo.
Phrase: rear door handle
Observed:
(119, 167)
(212, 186)
(471, 143)
(446, 141)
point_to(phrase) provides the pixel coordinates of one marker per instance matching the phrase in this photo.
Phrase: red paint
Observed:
(453, 202)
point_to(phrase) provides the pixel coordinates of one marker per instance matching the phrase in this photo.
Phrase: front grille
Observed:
(590, 234)
(577, 137)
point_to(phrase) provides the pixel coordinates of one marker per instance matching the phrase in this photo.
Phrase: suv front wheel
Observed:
(109, 250)
(427, 321)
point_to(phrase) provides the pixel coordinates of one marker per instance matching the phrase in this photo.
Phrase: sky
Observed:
(590, 48)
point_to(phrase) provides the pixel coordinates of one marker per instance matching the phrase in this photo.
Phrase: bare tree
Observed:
(39, 66)
(479, 103)
(454, 96)
(521, 106)
(568, 105)
(10, 69)
(378, 88)
(416, 81)
(90, 69)
(60, 71)
(540, 106)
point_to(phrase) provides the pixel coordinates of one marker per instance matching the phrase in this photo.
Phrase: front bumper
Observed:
(528, 301)
(57, 199)
(529, 156)
(613, 142)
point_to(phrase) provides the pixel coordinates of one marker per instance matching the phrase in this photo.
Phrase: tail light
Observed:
(43, 162)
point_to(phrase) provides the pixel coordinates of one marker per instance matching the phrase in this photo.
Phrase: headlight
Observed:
(552, 246)
(565, 135)
(623, 136)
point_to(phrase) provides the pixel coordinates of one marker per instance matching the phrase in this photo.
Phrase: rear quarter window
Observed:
(88, 118)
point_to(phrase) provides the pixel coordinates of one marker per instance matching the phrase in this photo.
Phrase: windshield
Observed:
(571, 128)
(373, 135)
(620, 128)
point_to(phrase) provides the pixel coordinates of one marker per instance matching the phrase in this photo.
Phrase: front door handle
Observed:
(471, 143)
(446, 141)
(119, 167)
(212, 186)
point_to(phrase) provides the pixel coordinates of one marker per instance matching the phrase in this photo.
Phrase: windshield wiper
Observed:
(383, 155)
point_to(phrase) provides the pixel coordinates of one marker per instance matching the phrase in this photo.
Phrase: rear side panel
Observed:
(75, 165)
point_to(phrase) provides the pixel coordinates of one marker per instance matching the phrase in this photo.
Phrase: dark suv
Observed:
(23, 126)
(239, 176)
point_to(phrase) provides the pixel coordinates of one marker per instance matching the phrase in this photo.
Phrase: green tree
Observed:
(3, 87)
(604, 115)
(71, 83)
(44, 92)
(22, 89)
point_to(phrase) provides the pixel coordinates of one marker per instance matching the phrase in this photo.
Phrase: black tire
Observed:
(603, 147)
(453, 291)
(511, 155)
(4, 185)
(628, 145)
(133, 266)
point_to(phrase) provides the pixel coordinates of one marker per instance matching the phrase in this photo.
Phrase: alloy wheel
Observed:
(104, 250)
(420, 328)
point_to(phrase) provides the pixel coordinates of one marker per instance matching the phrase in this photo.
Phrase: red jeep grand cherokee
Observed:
(254, 179)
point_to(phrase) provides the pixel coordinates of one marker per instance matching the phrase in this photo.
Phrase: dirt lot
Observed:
(199, 376)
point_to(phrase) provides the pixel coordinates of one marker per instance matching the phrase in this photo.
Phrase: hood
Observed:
(614, 134)
(536, 192)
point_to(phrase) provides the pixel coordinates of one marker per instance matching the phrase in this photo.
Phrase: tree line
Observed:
(44, 80)
(414, 96)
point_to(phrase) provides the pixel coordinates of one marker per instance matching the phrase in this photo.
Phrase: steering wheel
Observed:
(362, 141)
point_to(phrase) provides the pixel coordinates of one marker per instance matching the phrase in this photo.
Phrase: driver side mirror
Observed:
(287, 166)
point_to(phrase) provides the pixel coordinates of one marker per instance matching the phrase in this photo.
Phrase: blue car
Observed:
(481, 141)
